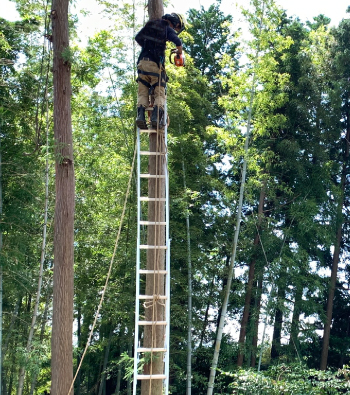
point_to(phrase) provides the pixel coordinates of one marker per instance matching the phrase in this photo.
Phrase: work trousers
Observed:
(143, 90)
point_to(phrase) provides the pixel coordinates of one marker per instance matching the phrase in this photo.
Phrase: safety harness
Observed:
(153, 38)
(163, 80)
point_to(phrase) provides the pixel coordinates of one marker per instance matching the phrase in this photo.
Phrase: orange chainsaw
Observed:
(179, 59)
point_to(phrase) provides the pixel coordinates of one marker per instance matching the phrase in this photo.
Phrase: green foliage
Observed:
(292, 379)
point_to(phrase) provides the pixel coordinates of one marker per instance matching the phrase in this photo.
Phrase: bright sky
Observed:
(304, 9)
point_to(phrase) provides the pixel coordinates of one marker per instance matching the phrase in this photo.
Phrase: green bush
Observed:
(293, 379)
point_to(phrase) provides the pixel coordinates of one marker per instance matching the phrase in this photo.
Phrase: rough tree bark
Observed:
(155, 284)
(258, 297)
(249, 289)
(336, 254)
(62, 319)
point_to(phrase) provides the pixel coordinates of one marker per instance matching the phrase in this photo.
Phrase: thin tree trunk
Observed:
(42, 333)
(336, 254)
(62, 318)
(343, 351)
(277, 329)
(294, 331)
(105, 362)
(332, 284)
(119, 377)
(41, 269)
(1, 357)
(128, 385)
(78, 380)
(238, 224)
(206, 315)
(189, 314)
(13, 321)
(256, 319)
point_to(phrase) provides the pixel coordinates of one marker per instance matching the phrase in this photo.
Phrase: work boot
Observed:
(140, 120)
(154, 118)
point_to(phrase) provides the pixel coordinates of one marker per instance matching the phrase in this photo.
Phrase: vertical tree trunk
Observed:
(119, 379)
(155, 284)
(294, 331)
(1, 357)
(206, 315)
(249, 290)
(189, 292)
(256, 318)
(78, 379)
(128, 385)
(13, 321)
(277, 329)
(41, 270)
(105, 362)
(154, 334)
(42, 333)
(336, 254)
(62, 318)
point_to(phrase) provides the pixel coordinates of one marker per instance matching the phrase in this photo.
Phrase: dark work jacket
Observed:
(147, 50)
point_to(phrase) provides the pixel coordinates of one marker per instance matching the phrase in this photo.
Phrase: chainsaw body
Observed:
(179, 59)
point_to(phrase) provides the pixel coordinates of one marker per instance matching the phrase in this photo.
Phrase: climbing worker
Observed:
(150, 65)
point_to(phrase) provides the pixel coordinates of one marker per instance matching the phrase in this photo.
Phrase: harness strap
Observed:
(148, 73)
(149, 86)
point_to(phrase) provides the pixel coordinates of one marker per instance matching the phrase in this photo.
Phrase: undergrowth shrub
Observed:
(293, 379)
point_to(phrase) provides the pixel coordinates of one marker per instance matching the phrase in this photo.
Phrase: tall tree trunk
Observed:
(78, 379)
(249, 289)
(13, 321)
(105, 362)
(277, 329)
(155, 284)
(336, 254)
(256, 318)
(62, 318)
(206, 315)
(42, 333)
(119, 379)
(1, 356)
(294, 331)
(344, 351)
(128, 385)
(189, 308)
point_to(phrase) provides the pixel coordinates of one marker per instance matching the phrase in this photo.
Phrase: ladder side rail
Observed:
(137, 301)
(167, 258)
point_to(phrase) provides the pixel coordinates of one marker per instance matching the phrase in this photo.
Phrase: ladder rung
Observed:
(142, 271)
(152, 323)
(152, 175)
(147, 199)
(149, 131)
(152, 223)
(152, 153)
(150, 297)
(151, 349)
(148, 247)
(151, 377)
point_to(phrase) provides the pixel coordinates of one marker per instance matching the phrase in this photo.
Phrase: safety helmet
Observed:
(177, 20)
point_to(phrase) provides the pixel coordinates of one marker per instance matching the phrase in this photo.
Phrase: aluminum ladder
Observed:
(160, 249)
